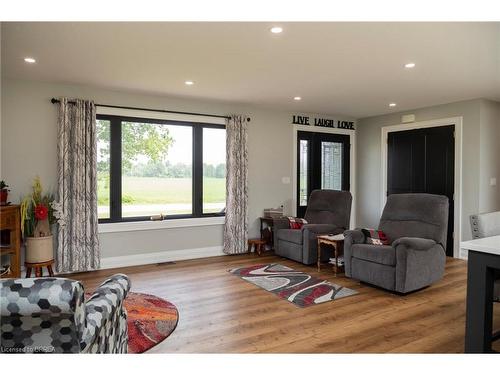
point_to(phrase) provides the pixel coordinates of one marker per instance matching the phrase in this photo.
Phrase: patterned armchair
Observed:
(51, 315)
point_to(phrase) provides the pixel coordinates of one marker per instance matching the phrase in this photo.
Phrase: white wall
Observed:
(480, 145)
(489, 198)
(29, 148)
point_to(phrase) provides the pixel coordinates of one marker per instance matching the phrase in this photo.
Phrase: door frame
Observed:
(457, 123)
(352, 163)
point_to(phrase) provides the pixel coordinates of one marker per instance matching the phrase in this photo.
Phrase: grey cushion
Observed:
(322, 228)
(375, 253)
(416, 215)
(329, 207)
(290, 235)
(414, 243)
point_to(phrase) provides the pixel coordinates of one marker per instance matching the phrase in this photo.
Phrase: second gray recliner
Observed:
(416, 226)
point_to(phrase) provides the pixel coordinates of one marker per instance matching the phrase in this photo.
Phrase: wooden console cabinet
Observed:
(10, 239)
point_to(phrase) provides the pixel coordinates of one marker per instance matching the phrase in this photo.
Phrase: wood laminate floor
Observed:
(220, 313)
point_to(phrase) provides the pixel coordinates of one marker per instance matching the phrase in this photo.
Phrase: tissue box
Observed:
(273, 212)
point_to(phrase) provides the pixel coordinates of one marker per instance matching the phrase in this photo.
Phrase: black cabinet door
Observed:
(423, 161)
(322, 163)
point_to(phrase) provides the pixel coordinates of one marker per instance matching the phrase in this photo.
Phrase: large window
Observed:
(150, 167)
(214, 170)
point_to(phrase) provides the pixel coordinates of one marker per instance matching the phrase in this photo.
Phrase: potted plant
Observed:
(36, 218)
(4, 193)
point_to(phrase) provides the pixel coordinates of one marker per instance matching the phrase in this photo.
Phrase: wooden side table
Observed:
(39, 268)
(10, 238)
(337, 241)
(258, 243)
(266, 230)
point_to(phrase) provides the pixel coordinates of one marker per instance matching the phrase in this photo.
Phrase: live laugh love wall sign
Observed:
(323, 122)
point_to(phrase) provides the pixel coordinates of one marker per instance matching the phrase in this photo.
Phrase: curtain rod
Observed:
(54, 100)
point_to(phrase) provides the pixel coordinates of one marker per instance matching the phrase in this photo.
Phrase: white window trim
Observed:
(352, 172)
(129, 226)
(457, 122)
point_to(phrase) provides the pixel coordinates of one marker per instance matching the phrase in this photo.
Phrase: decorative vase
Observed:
(4, 194)
(39, 249)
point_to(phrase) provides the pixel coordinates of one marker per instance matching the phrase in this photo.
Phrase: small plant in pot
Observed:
(36, 217)
(4, 193)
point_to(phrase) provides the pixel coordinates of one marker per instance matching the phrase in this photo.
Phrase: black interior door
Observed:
(423, 161)
(322, 163)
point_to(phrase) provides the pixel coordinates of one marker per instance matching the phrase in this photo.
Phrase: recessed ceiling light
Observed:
(189, 83)
(410, 65)
(276, 30)
(392, 104)
(30, 60)
(297, 98)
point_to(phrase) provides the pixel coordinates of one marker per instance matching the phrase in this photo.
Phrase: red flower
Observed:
(41, 212)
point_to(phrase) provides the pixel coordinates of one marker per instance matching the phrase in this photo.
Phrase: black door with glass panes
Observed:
(322, 163)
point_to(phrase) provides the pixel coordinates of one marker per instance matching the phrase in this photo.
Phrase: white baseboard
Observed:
(464, 254)
(159, 257)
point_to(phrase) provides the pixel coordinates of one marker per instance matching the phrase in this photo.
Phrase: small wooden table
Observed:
(337, 241)
(258, 243)
(10, 238)
(38, 268)
(267, 230)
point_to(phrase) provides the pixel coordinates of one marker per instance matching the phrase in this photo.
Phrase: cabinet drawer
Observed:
(7, 221)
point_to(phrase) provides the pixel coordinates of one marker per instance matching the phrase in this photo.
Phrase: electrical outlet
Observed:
(285, 180)
(493, 181)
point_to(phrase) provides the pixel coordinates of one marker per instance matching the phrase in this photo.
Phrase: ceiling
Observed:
(354, 69)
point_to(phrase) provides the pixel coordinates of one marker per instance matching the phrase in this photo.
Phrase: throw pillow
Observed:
(375, 237)
(296, 222)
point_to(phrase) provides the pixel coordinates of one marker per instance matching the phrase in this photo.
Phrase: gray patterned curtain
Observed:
(76, 209)
(236, 228)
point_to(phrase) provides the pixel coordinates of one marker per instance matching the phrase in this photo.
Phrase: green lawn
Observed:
(154, 190)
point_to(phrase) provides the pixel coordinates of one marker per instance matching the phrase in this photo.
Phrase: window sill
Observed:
(164, 224)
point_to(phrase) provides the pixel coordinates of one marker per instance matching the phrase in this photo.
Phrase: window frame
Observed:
(115, 162)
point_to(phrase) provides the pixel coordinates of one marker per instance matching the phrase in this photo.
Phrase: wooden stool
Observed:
(258, 243)
(38, 268)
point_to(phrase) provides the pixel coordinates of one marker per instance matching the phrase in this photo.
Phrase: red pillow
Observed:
(375, 237)
(296, 222)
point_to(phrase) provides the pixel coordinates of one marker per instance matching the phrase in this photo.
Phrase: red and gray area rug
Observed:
(297, 287)
(150, 320)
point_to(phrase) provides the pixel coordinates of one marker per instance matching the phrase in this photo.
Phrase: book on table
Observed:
(340, 261)
(333, 237)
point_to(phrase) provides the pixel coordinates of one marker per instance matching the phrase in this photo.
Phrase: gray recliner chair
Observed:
(416, 226)
(328, 212)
